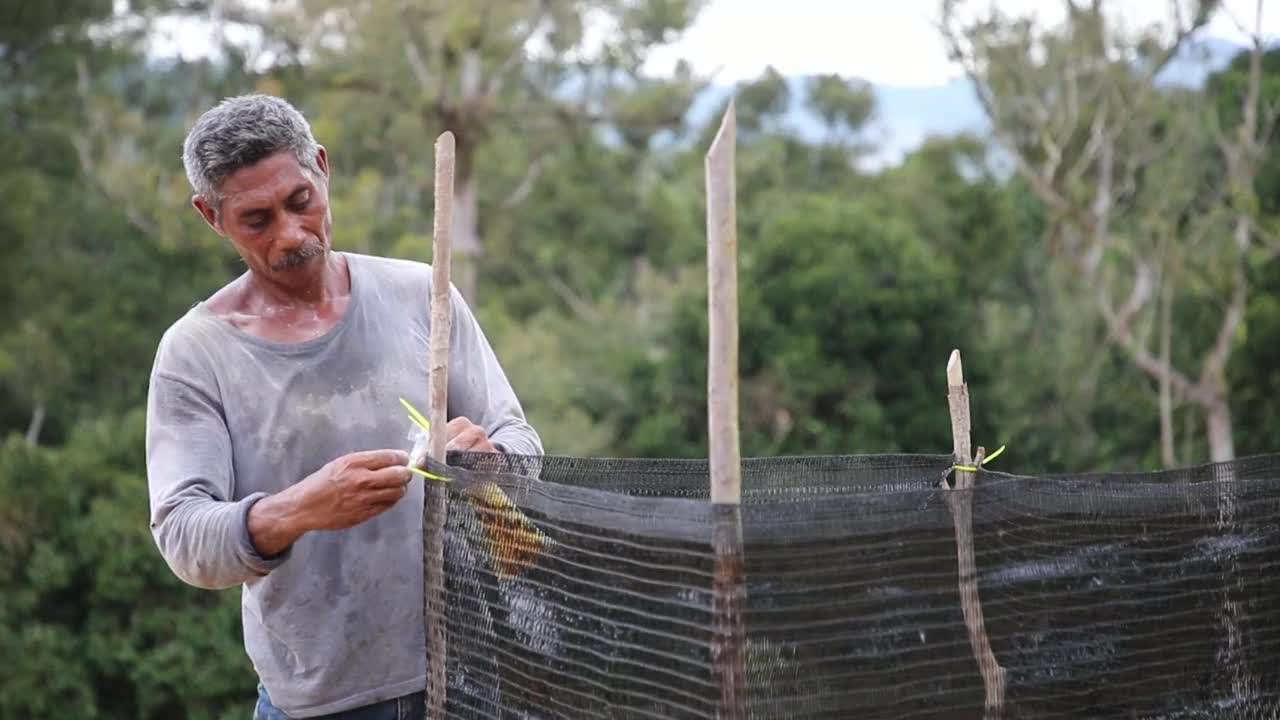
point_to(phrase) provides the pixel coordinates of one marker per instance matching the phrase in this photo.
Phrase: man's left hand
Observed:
(466, 436)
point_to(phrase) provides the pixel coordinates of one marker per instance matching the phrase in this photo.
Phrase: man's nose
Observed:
(292, 235)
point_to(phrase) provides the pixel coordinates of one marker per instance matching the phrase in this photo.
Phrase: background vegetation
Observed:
(1105, 258)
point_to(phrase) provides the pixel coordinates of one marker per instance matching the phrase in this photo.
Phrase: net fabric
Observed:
(581, 588)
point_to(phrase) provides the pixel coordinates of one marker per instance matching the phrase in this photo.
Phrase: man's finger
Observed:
(377, 459)
(467, 439)
(457, 426)
(387, 497)
(390, 477)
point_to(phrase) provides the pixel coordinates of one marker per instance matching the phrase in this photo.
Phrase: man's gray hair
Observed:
(239, 132)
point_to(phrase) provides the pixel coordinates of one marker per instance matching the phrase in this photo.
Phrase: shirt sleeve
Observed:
(479, 389)
(201, 531)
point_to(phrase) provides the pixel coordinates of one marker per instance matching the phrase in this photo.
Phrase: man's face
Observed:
(276, 213)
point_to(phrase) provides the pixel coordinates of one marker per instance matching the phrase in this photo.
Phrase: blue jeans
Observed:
(407, 707)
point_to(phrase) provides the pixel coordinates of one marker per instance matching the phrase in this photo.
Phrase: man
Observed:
(276, 445)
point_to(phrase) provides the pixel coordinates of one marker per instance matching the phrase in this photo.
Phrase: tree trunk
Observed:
(467, 121)
(1167, 456)
(1232, 657)
(1222, 446)
(466, 235)
(36, 424)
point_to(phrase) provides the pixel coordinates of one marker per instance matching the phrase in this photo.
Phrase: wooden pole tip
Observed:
(726, 136)
(955, 369)
(445, 141)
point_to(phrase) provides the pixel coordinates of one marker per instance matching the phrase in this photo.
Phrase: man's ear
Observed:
(208, 212)
(322, 160)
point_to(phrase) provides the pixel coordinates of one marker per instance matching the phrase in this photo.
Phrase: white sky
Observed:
(892, 42)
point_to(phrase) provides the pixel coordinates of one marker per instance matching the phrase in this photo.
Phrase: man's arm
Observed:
(479, 389)
(202, 534)
(214, 542)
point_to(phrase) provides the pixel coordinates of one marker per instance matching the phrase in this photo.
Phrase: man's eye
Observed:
(302, 199)
(257, 223)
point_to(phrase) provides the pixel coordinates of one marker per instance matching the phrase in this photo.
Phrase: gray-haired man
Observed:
(275, 442)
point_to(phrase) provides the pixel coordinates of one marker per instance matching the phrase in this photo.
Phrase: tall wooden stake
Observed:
(960, 501)
(728, 642)
(434, 508)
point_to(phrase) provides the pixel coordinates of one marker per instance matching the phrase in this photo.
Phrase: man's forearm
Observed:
(518, 438)
(275, 524)
(207, 542)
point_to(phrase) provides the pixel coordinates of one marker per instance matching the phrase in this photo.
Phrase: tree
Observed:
(542, 70)
(1136, 224)
(1254, 374)
(99, 625)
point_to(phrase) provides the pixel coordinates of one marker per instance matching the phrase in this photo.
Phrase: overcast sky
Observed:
(892, 43)
(885, 42)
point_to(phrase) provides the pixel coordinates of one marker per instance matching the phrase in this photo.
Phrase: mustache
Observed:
(299, 257)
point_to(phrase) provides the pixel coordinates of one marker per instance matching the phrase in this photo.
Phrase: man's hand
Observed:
(345, 492)
(353, 488)
(466, 436)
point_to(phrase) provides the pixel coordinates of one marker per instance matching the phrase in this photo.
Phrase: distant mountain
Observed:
(906, 116)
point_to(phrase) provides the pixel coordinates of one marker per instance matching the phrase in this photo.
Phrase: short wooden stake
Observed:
(435, 506)
(728, 645)
(960, 502)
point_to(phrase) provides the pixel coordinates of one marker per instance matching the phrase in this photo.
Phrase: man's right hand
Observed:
(345, 492)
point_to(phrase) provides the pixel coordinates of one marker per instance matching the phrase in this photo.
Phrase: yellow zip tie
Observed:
(987, 459)
(416, 416)
(423, 423)
(428, 475)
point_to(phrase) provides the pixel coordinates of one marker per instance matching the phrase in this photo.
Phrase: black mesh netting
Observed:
(582, 588)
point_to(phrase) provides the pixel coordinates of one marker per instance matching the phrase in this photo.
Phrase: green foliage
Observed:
(854, 286)
(1254, 372)
(1152, 192)
(839, 298)
(103, 628)
(841, 104)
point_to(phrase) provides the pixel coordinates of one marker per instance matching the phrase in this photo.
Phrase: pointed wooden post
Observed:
(434, 507)
(958, 405)
(728, 643)
(960, 501)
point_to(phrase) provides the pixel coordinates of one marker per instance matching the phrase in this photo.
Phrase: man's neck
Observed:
(329, 281)
(287, 313)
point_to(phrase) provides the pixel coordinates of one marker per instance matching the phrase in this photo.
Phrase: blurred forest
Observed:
(1115, 294)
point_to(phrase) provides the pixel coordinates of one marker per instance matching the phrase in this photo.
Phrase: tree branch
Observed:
(1241, 166)
(82, 139)
(1097, 137)
(1041, 182)
(525, 186)
(1167, 452)
(496, 78)
(1271, 241)
(1215, 363)
(417, 64)
(1166, 56)
(580, 307)
(1120, 332)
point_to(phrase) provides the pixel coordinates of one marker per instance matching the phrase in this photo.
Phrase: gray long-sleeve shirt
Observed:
(336, 621)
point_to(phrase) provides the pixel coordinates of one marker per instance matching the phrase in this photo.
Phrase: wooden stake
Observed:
(958, 405)
(728, 643)
(435, 506)
(722, 315)
(960, 502)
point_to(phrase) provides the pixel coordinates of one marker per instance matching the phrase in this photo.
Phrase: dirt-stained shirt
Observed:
(336, 621)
